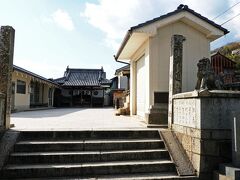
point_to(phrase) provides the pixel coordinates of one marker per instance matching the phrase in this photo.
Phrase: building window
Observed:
(21, 87)
(95, 93)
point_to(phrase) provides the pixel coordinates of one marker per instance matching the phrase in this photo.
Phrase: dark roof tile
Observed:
(181, 8)
(83, 77)
(17, 68)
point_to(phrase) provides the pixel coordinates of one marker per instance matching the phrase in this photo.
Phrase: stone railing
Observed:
(202, 123)
(2, 107)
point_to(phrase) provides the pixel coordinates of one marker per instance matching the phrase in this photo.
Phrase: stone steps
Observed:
(86, 156)
(132, 176)
(116, 154)
(138, 176)
(84, 169)
(87, 135)
(88, 145)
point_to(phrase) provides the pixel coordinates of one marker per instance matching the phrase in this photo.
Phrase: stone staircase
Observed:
(103, 154)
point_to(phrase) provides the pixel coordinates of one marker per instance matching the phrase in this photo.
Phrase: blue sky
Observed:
(52, 34)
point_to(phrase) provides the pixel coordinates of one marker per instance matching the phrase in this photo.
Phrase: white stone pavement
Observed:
(73, 119)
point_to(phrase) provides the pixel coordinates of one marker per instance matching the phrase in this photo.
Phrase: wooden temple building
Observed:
(81, 87)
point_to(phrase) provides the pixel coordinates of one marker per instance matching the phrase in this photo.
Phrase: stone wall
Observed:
(202, 124)
(206, 149)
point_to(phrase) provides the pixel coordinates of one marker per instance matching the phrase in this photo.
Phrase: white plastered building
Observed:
(146, 47)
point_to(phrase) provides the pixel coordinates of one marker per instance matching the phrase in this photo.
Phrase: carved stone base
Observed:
(158, 114)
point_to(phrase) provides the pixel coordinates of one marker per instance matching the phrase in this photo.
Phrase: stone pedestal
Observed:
(202, 122)
(6, 67)
(158, 114)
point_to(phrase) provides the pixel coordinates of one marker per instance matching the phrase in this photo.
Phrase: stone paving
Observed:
(73, 119)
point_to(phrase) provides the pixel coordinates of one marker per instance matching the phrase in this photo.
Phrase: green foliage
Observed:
(227, 51)
(238, 65)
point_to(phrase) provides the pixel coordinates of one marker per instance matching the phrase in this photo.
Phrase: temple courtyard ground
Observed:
(73, 119)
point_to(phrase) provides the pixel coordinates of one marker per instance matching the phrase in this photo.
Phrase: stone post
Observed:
(236, 141)
(175, 71)
(7, 34)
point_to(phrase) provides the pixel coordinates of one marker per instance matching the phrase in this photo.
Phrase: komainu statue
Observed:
(207, 80)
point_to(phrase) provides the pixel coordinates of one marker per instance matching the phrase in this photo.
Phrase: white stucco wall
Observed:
(122, 82)
(157, 56)
(195, 47)
(142, 51)
(100, 93)
(21, 101)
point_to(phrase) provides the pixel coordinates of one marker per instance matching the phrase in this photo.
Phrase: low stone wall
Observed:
(2, 106)
(206, 149)
(202, 124)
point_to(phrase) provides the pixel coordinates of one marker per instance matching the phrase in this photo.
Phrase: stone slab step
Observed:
(88, 145)
(132, 176)
(84, 169)
(87, 156)
(157, 126)
(96, 134)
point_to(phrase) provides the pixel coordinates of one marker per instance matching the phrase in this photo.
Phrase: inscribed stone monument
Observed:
(175, 71)
(6, 65)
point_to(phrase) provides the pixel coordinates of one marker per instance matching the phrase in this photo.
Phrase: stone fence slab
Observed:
(206, 110)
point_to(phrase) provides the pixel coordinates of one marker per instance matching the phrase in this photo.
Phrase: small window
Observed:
(95, 93)
(21, 87)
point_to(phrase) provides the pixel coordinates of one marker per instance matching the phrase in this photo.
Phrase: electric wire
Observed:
(230, 19)
(225, 11)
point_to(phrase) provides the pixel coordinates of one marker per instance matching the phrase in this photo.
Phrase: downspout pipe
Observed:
(126, 38)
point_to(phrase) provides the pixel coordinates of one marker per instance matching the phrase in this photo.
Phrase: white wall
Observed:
(21, 101)
(142, 51)
(157, 51)
(100, 93)
(122, 82)
(195, 47)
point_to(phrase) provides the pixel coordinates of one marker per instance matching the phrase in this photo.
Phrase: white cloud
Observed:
(114, 18)
(42, 68)
(63, 19)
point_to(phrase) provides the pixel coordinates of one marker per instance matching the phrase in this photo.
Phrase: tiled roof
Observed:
(83, 77)
(181, 8)
(60, 80)
(17, 68)
(124, 68)
(105, 81)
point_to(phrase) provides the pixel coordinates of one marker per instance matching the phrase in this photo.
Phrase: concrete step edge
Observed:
(86, 152)
(129, 133)
(92, 164)
(134, 176)
(101, 141)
